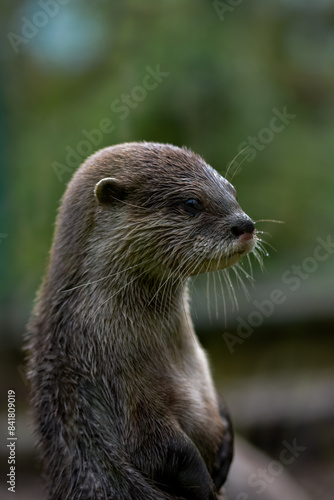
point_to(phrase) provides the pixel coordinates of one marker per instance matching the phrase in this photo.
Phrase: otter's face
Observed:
(183, 215)
(220, 231)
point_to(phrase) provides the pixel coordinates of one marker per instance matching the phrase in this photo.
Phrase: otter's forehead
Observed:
(196, 171)
(165, 160)
(149, 164)
(220, 179)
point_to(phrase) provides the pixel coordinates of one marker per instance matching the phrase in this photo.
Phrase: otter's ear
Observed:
(109, 190)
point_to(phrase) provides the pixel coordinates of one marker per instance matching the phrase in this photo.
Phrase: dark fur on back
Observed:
(122, 396)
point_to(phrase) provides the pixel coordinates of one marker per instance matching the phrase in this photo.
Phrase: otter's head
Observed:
(165, 206)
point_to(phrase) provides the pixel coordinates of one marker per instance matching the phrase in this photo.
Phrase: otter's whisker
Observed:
(191, 270)
(122, 288)
(223, 295)
(250, 268)
(258, 257)
(215, 293)
(168, 292)
(263, 242)
(269, 220)
(179, 281)
(162, 283)
(208, 288)
(240, 281)
(245, 273)
(141, 207)
(230, 289)
(234, 159)
(105, 277)
(260, 246)
(262, 232)
(239, 166)
(178, 275)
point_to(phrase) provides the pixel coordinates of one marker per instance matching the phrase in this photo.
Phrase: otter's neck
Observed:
(143, 313)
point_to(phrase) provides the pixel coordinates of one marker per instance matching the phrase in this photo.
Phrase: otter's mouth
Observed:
(245, 244)
(240, 248)
(242, 241)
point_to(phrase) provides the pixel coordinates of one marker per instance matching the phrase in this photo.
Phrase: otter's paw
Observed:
(225, 452)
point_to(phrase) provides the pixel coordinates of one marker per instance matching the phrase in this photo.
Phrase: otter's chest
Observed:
(195, 402)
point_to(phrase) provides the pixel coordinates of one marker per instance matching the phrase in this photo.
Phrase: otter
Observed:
(122, 396)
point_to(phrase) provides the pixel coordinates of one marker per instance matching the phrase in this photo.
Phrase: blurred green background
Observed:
(227, 69)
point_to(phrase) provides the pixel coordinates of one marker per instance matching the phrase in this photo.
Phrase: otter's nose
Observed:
(244, 226)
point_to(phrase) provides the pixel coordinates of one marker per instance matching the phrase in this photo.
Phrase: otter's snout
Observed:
(243, 229)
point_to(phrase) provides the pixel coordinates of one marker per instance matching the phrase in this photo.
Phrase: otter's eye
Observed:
(193, 207)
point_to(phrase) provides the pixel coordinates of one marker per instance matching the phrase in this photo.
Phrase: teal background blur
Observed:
(74, 80)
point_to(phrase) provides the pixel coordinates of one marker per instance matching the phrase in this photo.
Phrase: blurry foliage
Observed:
(225, 78)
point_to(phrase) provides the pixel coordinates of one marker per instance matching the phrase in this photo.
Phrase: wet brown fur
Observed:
(122, 396)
